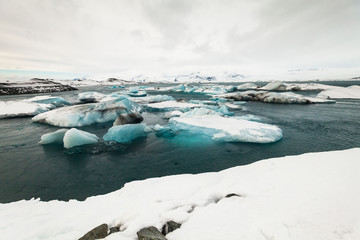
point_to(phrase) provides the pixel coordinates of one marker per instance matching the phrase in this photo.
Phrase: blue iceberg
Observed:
(126, 133)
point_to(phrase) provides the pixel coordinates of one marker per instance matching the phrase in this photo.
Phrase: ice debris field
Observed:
(269, 199)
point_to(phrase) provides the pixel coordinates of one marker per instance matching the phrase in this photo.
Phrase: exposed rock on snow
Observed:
(33, 86)
(128, 118)
(12, 109)
(273, 97)
(125, 133)
(311, 196)
(170, 227)
(150, 233)
(75, 137)
(97, 233)
(87, 114)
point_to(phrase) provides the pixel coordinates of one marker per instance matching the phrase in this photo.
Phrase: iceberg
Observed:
(125, 133)
(227, 129)
(12, 109)
(87, 114)
(53, 137)
(310, 196)
(75, 137)
(352, 92)
(153, 99)
(137, 94)
(90, 97)
(171, 114)
(275, 86)
(247, 86)
(55, 101)
(171, 105)
(273, 97)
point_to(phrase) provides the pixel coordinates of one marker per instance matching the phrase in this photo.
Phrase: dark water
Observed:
(28, 169)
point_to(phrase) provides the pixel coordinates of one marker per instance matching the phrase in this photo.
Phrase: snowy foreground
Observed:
(310, 196)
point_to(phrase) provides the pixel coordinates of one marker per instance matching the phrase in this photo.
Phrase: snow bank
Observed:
(311, 196)
(87, 114)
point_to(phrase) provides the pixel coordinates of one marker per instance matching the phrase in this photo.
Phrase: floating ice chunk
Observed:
(153, 99)
(170, 105)
(233, 106)
(200, 112)
(228, 129)
(246, 86)
(230, 88)
(273, 97)
(161, 131)
(215, 90)
(352, 92)
(225, 111)
(137, 94)
(171, 114)
(125, 133)
(75, 137)
(87, 114)
(89, 97)
(133, 90)
(53, 137)
(22, 109)
(56, 101)
(275, 86)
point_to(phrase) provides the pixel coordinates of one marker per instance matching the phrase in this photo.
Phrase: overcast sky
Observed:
(88, 36)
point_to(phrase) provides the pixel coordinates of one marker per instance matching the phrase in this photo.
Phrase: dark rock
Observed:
(128, 118)
(114, 230)
(170, 227)
(35, 85)
(232, 195)
(150, 233)
(97, 233)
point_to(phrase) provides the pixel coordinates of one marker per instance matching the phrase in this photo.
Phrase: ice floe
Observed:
(75, 137)
(12, 109)
(53, 137)
(172, 105)
(87, 114)
(126, 133)
(229, 129)
(273, 97)
(311, 196)
(69, 138)
(352, 92)
(55, 101)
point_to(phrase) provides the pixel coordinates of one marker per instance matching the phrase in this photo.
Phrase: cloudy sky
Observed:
(88, 36)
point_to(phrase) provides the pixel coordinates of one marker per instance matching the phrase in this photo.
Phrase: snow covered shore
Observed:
(310, 196)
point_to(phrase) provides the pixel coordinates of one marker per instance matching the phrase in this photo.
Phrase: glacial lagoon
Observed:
(30, 170)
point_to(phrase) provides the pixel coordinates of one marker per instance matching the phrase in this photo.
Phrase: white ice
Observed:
(352, 92)
(53, 137)
(87, 114)
(22, 108)
(75, 137)
(56, 101)
(229, 129)
(172, 105)
(311, 196)
(125, 133)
